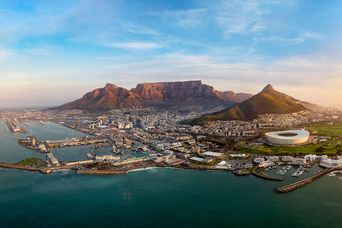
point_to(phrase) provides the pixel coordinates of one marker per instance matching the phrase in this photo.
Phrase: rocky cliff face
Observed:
(154, 94)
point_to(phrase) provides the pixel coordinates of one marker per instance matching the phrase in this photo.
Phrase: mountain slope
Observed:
(154, 94)
(268, 101)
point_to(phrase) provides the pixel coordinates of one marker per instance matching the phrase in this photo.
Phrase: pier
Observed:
(264, 175)
(14, 127)
(52, 159)
(304, 182)
(43, 170)
(74, 142)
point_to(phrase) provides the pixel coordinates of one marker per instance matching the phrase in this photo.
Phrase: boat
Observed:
(91, 155)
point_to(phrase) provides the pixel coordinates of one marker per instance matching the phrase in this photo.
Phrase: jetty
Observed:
(43, 170)
(14, 127)
(100, 172)
(299, 184)
(264, 175)
(75, 142)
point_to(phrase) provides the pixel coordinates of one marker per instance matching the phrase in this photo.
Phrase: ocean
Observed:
(158, 197)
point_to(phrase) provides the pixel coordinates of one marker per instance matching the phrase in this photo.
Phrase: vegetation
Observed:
(267, 101)
(32, 162)
(327, 129)
(187, 122)
(332, 147)
(265, 149)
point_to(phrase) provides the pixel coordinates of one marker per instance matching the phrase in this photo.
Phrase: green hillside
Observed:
(268, 101)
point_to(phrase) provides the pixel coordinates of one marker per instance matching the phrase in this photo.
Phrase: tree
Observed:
(320, 149)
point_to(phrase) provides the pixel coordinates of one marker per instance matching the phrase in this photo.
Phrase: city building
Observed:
(298, 161)
(266, 164)
(330, 163)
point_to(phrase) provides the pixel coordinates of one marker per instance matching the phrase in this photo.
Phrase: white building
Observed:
(273, 158)
(266, 164)
(259, 160)
(330, 163)
(201, 160)
(212, 154)
(299, 161)
(106, 158)
(287, 158)
(311, 157)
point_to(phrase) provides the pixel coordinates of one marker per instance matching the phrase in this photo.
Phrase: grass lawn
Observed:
(32, 162)
(300, 150)
(325, 129)
(328, 148)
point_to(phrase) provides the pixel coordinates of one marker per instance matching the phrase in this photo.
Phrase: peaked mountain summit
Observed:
(160, 94)
(268, 101)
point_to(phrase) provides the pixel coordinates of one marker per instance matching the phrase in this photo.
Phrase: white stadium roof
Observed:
(288, 137)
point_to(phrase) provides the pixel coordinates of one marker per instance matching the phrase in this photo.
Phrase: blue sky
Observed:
(54, 51)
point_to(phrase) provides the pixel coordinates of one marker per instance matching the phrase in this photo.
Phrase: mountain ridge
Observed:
(162, 94)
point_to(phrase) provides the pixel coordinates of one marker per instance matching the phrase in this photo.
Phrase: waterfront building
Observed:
(213, 154)
(259, 160)
(299, 161)
(107, 158)
(82, 162)
(201, 160)
(273, 158)
(311, 157)
(287, 158)
(221, 165)
(42, 147)
(238, 155)
(52, 159)
(266, 164)
(330, 163)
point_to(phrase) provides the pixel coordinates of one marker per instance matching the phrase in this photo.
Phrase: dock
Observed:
(52, 159)
(13, 127)
(302, 183)
(104, 172)
(74, 142)
(264, 175)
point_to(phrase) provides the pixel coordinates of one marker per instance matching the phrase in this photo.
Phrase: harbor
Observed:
(302, 183)
(100, 156)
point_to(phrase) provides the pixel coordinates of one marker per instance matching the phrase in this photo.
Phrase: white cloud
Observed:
(138, 29)
(183, 18)
(237, 17)
(292, 75)
(134, 45)
(40, 51)
(298, 39)
(4, 53)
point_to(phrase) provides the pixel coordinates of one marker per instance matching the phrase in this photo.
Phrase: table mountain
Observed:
(161, 94)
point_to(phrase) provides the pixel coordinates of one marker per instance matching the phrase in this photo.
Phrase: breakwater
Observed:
(299, 184)
(13, 127)
(47, 170)
(101, 172)
(43, 170)
(264, 175)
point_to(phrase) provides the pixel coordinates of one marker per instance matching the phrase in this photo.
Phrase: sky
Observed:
(53, 51)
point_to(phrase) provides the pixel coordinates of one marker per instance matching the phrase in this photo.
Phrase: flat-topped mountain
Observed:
(268, 101)
(154, 94)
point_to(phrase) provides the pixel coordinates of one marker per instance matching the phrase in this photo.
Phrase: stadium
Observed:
(288, 137)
